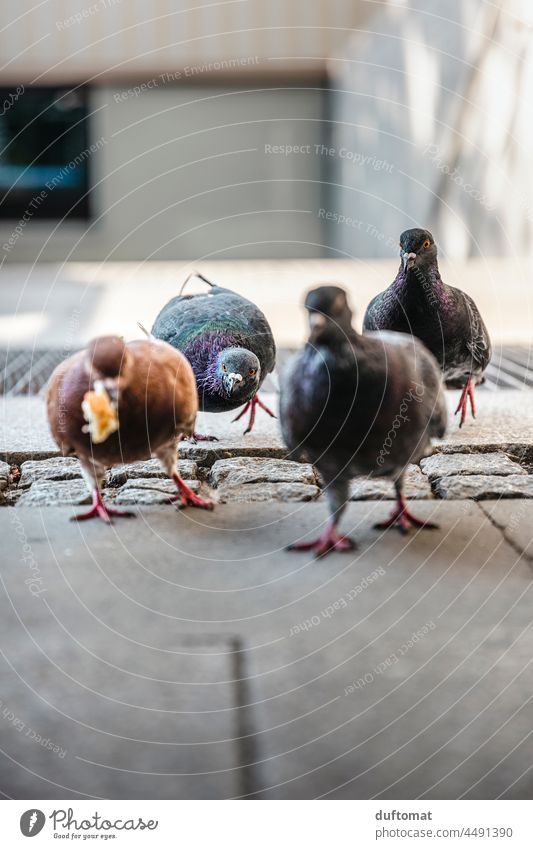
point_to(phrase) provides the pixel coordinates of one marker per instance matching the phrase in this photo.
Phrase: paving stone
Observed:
(479, 463)
(44, 493)
(118, 475)
(368, 489)
(207, 453)
(268, 492)
(150, 491)
(484, 486)
(242, 471)
(53, 469)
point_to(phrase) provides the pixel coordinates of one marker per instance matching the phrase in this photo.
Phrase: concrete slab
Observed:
(437, 626)
(504, 423)
(24, 432)
(89, 708)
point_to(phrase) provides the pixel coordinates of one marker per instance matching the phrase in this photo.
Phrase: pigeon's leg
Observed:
(251, 405)
(330, 539)
(100, 510)
(186, 497)
(94, 476)
(467, 394)
(242, 412)
(471, 398)
(401, 517)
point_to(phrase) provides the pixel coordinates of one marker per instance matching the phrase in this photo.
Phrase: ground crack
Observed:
(504, 530)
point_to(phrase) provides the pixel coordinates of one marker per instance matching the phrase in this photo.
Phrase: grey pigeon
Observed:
(358, 405)
(228, 342)
(446, 319)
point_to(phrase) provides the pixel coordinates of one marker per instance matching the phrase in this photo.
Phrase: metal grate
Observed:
(24, 372)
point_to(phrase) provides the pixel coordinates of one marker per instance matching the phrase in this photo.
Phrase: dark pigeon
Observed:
(444, 318)
(228, 342)
(358, 405)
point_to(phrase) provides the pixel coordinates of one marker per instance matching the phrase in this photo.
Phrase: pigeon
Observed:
(355, 404)
(119, 403)
(446, 319)
(228, 342)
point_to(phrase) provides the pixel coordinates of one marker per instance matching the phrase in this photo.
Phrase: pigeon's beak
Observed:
(408, 260)
(233, 379)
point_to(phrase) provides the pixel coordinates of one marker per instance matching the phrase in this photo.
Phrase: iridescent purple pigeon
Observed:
(446, 319)
(228, 342)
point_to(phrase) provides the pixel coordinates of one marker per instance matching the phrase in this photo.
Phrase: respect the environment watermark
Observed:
(189, 71)
(39, 198)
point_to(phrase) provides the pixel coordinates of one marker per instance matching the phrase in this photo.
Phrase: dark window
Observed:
(44, 155)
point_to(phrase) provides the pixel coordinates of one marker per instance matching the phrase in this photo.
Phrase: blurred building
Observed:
(167, 127)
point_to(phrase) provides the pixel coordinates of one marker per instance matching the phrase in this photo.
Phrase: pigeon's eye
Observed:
(224, 367)
(252, 372)
(426, 244)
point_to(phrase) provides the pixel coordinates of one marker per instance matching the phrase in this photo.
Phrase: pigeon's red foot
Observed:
(466, 395)
(404, 520)
(251, 405)
(329, 540)
(186, 497)
(100, 511)
(200, 437)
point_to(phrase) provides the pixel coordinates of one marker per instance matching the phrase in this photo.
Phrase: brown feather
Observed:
(157, 400)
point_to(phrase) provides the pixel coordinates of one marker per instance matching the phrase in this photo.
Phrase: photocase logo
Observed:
(32, 822)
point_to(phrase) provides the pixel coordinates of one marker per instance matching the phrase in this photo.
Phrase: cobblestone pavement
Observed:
(489, 458)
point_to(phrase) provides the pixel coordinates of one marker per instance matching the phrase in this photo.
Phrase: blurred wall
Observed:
(94, 39)
(183, 172)
(189, 97)
(433, 127)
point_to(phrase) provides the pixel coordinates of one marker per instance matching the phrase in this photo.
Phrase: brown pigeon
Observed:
(119, 403)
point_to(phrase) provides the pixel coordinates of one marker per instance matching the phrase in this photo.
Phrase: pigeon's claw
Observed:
(251, 405)
(329, 540)
(404, 520)
(188, 498)
(100, 511)
(200, 437)
(467, 394)
(263, 406)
